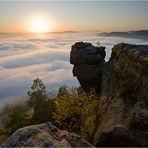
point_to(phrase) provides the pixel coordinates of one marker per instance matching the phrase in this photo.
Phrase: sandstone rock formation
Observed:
(123, 101)
(88, 60)
(44, 135)
(122, 109)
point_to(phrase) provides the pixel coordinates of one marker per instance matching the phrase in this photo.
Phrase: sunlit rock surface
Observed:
(44, 135)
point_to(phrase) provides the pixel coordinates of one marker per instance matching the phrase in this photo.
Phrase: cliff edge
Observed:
(122, 114)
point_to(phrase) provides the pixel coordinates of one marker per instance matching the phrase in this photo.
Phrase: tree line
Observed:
(70, 110)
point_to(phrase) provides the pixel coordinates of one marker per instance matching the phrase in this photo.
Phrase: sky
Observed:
(55, 16)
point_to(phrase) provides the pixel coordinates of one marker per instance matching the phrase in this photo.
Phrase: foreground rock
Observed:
(123, 100)
(44, 135)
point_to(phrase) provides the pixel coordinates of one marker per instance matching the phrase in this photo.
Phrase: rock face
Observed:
(88, 60)
(123, 137)
(44, 135)
(123, 102)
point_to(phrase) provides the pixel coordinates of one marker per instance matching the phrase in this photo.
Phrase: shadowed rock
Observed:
(88, 60)
(123, 137)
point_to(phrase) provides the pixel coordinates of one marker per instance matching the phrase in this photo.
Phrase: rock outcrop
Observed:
(44, 135)
(123, 102)
(88, 61)
(122, 105)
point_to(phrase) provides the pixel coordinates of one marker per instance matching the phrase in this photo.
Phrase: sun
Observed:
(38, 24)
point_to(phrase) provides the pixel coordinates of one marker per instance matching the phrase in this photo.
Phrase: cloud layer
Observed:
(26, 57)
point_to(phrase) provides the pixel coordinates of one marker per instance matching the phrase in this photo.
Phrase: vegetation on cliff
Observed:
(70, 110)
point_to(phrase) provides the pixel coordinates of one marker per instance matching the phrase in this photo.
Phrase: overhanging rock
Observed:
(88, 60)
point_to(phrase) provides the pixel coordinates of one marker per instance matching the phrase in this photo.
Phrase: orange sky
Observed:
(49, 16)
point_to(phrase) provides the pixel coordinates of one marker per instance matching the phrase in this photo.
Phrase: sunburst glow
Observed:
(39, 25)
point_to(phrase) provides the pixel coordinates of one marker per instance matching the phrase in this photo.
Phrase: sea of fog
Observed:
(24, 57)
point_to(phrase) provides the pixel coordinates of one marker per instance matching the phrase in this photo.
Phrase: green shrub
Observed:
(42, 105)
(74, 112)
(15, 119)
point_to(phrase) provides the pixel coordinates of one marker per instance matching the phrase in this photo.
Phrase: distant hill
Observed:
(140, 34)
(63, 32)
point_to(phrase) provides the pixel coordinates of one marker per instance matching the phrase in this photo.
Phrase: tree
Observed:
(18, 116)
(39, 101)
(15, 119)
(62, 91)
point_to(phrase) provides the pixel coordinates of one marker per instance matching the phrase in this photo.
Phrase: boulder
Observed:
(44, 135)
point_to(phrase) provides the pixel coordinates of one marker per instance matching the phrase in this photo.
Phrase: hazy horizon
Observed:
(71, 31)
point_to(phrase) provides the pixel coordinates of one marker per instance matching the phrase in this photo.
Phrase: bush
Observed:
(15, 119)
(74, 112)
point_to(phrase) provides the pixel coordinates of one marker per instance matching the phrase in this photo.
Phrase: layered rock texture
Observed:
(88, 61)
(122, 114)
(44, 135)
